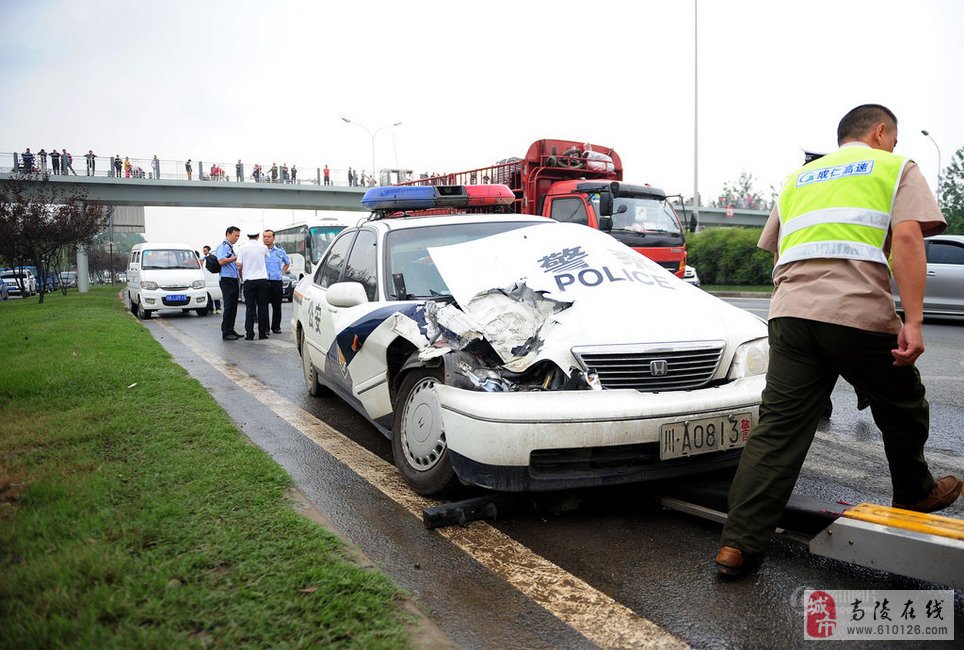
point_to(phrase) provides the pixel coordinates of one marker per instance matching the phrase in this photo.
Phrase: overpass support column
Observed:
(83, 270)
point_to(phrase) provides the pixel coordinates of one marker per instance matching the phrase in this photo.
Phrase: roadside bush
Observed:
(729, 256)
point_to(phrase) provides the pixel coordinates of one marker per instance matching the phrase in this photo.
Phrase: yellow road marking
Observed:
(590, 612)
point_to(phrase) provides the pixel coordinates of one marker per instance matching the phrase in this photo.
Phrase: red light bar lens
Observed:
(483, 195)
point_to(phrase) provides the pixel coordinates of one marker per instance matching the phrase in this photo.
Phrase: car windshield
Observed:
(321, 236)
(411, 271)
(643, 215)
(159, 258)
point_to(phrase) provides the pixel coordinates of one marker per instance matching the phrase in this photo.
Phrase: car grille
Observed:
(172, 287)
(653, 368)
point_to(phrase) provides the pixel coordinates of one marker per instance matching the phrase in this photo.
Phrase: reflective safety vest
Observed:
(839, 206)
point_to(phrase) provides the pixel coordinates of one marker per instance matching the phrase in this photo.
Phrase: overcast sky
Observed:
(473, 83)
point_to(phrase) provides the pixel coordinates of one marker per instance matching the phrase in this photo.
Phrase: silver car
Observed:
(944, 295)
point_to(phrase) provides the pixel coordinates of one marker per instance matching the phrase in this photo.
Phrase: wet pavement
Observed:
(612, 551)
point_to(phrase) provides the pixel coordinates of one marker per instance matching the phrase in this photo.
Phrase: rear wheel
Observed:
(130, 299)
(418, 437)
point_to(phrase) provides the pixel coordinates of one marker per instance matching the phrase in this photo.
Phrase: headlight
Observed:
(198, 284)
(147, 284)
(750, 359)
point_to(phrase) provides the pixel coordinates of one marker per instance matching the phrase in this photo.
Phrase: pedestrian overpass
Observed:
(146, 192)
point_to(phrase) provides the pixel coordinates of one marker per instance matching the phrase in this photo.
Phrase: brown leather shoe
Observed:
(730, 561)
(945, 492)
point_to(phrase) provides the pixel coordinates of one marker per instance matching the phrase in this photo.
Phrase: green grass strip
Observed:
(140, 517)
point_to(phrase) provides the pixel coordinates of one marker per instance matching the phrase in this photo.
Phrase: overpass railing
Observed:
(104, 167)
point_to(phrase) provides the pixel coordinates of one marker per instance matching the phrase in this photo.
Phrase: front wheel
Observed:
(142, 313)
(315, 388)
(418, 436)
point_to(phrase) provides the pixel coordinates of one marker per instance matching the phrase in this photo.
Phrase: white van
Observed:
(165, 276)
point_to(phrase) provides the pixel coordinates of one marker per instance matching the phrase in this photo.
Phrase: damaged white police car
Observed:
(517, 353)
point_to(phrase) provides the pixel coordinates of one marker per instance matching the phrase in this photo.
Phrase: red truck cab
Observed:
(582, 183)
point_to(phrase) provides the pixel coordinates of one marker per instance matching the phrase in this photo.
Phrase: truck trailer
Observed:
(583, 183)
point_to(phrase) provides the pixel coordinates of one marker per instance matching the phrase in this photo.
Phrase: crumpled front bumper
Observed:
(521, 441)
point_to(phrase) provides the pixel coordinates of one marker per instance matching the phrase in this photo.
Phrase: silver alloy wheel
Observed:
(422, 436)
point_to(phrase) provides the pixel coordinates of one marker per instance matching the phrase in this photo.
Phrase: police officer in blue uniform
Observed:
(277, 264)
(229, 283)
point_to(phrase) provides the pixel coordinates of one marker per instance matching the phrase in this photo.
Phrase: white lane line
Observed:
(590, 612)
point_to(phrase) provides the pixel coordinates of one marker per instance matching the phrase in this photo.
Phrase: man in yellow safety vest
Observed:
(842, 224)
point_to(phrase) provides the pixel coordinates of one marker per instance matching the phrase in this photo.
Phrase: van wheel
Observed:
(142, 313)
(130, 299)
(203, 311)
(418, 437)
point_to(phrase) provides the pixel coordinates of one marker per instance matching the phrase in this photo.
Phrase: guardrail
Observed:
(105, 167)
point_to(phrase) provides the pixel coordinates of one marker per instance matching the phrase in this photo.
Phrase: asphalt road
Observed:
(578, 569)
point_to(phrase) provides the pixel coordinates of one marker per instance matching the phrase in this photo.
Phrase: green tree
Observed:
(741, 194)
(951, 193)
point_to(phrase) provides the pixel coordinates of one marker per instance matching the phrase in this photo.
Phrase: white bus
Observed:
(305, 243)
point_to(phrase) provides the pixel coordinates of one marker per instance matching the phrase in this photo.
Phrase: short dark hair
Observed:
(859, 121)
(231, 230)
(267, 230)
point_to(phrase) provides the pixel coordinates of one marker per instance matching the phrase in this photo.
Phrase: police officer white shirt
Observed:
(251, 258)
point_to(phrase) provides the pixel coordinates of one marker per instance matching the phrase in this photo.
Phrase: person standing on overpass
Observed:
(836, 222)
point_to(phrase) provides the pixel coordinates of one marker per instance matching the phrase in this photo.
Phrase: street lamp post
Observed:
(939, 167)
(372, 135)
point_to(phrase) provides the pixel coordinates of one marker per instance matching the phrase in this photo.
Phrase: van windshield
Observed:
(159, 258)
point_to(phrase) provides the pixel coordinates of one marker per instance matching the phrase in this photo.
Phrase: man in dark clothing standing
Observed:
(91, 162)
(842, 225)
(26, 161)
(239, 171)
(55, 162)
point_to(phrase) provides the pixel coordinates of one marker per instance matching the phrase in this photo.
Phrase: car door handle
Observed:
(931, 274)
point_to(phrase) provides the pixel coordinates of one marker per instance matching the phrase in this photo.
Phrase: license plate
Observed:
(703, 435)
(177, 297)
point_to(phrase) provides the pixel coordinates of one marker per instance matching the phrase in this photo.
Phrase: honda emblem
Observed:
(658, 368)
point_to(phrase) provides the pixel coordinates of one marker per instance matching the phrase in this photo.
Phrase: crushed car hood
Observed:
(535, 293)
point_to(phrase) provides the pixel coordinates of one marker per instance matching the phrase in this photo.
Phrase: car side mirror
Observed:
(606, 224)
(346, 294)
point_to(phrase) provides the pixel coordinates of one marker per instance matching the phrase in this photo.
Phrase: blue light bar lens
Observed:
(407, 197)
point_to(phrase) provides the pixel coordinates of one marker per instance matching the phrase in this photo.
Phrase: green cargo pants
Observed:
(806, 357)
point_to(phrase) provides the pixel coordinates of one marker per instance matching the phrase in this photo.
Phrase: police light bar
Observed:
(426, 197)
